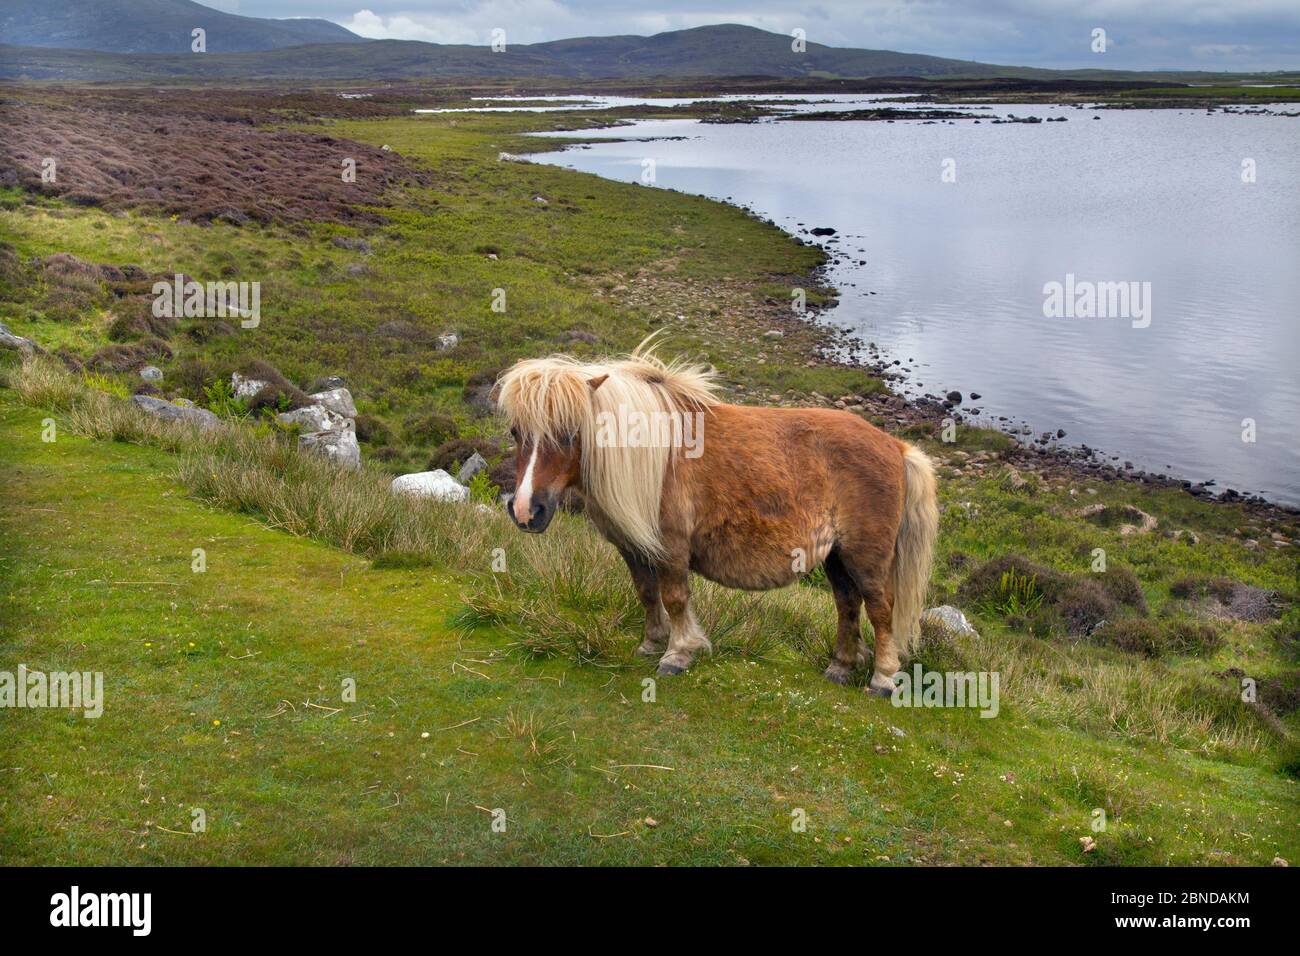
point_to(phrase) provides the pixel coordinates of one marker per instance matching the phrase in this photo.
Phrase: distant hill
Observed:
(153, 26)
(723, 50)
(734, 50)
(148, 41)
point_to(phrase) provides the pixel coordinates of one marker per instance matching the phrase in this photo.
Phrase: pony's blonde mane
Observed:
(550, 399)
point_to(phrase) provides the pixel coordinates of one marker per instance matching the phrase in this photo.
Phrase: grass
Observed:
(531, 674)
(514, 653)
(435, 267)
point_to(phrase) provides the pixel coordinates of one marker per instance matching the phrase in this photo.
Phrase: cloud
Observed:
(367, 23)
(524, 21)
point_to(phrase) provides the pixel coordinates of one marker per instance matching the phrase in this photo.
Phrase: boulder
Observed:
(448, 340)
(151, 373)
(338, 445)
(946, 621)
(243, 387)
(338, 400)
(10, 341)
(175, 413)
(430, 484)
(472, 467)
(314, 418)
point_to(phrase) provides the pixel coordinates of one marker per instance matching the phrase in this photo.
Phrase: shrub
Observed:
(1083, 605)
(127, 357)
(1122, 585)
(1155, 638)
(430, 429)
(1044, 600)
(134, 319)
(1196, 586)
(373, 430)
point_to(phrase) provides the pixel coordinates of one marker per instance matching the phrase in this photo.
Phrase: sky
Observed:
(1232, 35)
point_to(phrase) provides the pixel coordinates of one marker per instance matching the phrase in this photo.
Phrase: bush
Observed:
(1123, 586)
(127, 357)
(1155, 638)
(1196, 586)
(373, 430)
(430, 429)
(1044, 600)
(134, 319)
(1083, 605)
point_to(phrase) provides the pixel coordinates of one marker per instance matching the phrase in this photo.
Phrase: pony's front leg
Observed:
(685, 637)
(646, 582)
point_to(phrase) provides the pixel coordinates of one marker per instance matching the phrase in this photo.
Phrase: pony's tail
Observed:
(914, 547)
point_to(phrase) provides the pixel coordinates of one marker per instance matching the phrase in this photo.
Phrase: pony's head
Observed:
(576, 425)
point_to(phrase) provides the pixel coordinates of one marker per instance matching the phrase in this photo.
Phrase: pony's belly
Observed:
(758, 568)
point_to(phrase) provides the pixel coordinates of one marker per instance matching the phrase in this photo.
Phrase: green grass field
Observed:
(224, 692)
(225, 689)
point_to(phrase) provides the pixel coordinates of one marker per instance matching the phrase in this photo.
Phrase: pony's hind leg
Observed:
(646, 582)
(685, 636)
(850, 652)
(879, 599)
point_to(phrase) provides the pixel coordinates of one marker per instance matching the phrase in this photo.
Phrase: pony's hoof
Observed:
(880, 685)
(838, 674)
(669, 670)
(650, 650)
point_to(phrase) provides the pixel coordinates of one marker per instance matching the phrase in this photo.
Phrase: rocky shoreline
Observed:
(1039, 452)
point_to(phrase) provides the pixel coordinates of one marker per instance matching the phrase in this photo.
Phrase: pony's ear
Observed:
(598, 381)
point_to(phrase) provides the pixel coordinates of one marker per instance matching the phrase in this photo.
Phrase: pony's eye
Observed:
(514, 433)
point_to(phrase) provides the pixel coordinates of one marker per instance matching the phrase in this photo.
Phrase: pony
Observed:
(749, 497)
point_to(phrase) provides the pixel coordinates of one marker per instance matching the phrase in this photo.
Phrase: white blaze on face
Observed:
(524, 493)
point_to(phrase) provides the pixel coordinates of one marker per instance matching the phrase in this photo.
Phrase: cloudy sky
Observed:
(1141, 34)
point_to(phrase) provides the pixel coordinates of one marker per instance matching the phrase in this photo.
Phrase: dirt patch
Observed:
(193, 168)
(1126, 518)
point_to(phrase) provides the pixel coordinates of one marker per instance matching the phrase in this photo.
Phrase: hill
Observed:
(153, 26)
(120, 51)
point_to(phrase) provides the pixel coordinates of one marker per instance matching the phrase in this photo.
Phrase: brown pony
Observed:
(748, 497)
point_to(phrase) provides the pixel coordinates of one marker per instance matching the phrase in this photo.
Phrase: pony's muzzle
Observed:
(541, 513)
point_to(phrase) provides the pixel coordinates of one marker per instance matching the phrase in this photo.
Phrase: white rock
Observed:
(337, 400)
(151, 373)
(472, 467)
(448, 340)
(314, 418)
(430, 484)
(245, 387)
(948, 621)
(10, 341)
(339, 446)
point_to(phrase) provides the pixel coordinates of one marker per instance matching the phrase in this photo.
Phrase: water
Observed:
(954, 272)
